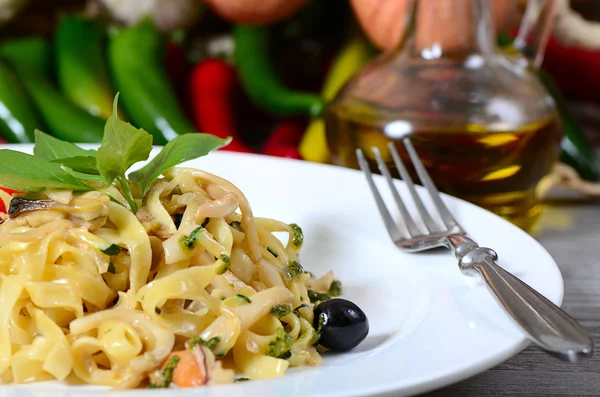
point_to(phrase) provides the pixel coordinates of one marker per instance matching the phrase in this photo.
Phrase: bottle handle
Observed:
(535, 30)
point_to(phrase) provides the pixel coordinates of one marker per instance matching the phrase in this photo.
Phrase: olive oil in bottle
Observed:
(497, 170)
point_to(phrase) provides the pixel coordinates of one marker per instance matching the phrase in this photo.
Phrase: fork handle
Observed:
(544, 323)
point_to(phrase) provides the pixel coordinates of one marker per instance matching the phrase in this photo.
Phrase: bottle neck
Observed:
(453, 29)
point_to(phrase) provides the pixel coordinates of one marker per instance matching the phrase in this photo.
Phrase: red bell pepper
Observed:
(213, 85)
(284, 140)
(9, 191)
(574, 70)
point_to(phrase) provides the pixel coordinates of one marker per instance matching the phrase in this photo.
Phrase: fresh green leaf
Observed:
(85, 177)
(122, 146)
(86, 165)
(49, 148)
(181, 149)
(29, 173)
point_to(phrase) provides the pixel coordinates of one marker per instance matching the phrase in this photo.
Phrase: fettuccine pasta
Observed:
(191, 290)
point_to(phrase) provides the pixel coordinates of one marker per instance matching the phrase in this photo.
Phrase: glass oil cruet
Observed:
(485, 127)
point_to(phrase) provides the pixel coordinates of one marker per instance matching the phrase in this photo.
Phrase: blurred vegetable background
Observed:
(259, 71)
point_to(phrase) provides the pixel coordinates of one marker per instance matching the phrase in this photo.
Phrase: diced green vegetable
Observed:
(280, 311)
(297, 236)
(319, 330)
(111, 268)
(244, 298)
(210, 344)
(281, 344)
(294, 269)
(112, 249)
(273, 252)
(226, 263)
(236, 225)
(167, 373)
(189, 242)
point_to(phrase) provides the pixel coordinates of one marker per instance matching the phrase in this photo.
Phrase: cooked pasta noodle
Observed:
(192, 279)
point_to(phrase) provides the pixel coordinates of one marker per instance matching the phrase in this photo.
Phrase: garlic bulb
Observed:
(168, 15)
(10, 8)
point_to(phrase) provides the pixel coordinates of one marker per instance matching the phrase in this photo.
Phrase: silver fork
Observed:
(543, 322)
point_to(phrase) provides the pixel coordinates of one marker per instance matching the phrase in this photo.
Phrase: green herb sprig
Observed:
(63, 165)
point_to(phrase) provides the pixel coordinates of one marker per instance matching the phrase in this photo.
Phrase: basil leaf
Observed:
(182, 148)
(86, 165)
(85, 177)
(29, 173)
(49, 148)
(122, 146)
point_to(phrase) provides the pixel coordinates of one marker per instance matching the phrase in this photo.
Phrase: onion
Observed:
(384, 21)
(255, 11)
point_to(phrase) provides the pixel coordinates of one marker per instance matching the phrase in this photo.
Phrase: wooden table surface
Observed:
(571, 233)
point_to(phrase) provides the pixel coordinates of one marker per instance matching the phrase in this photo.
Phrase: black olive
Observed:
(343, 324)
(177, 219)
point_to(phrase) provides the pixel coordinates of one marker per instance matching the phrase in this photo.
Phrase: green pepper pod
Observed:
(260, 80)
(31, 59)
(81, 65)
(576, 150)
(136, 62)
(18, 119)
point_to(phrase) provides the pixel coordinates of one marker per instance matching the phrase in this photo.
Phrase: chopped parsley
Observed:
(335, 290)
(241, 380)
(273, 252)
(205, 222)
(167, 373)
(112, 249)
(226, 263)
(236, 225)
(157, 310)
(210, 344)
(244, 298)
(297, 235)
(111, 268)
(190, 241)
(280, 345)
(319, 330)
(315, 296)
(294, 269)
(280, 311)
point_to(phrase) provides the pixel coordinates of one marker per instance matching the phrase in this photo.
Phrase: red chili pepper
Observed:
(9, 191)
(284, 140)
(214, 85)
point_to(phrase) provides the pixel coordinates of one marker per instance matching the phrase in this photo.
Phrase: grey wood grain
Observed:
(571, 233)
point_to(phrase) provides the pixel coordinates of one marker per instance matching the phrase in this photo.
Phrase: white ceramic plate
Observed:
(430, 326)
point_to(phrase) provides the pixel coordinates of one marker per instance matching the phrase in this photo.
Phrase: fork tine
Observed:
(385, 214)
(441, 208)
(409, 223)
(430, 225)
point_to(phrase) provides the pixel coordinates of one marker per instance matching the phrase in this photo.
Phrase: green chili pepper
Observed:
(19, 119)
(253, 63)
(136, 60)
(31, 58)
(576, 150)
